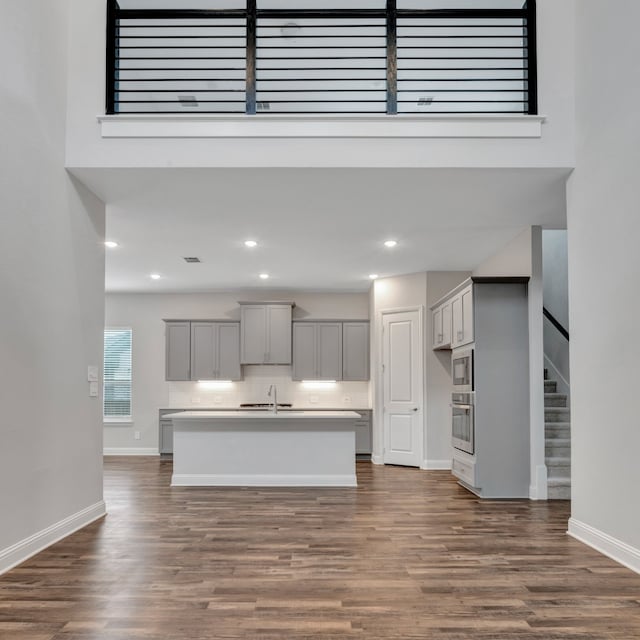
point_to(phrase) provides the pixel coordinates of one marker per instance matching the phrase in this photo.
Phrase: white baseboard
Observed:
(436, 465)
(377, 459)
(615, 549)
(264, 480)
(16, 554)
(130, 451)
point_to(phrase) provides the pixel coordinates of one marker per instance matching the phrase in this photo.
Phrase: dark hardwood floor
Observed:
(408, 554)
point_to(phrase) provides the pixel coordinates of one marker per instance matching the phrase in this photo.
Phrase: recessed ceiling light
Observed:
(390, 244)
(250, 243)
(373, 276)
(264, 276)
(110, 244)
(155, 276)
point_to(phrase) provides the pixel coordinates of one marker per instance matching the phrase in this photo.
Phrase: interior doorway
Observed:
(402, 384)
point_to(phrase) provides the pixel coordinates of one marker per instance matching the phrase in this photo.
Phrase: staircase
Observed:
(557, 441)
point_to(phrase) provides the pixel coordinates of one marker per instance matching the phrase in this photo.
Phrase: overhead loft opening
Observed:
(367, 58)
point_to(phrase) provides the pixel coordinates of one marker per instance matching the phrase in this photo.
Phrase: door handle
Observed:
(414, 409)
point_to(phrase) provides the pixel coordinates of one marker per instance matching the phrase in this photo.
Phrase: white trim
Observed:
(16, 554)
(130, 451)
(615, 549)
(262, 480)
(436, 465)
(563, 383)
(377, 459)
(538, 489)
(127, 422)
(327, 126)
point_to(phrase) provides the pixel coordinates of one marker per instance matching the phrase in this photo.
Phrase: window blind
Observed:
(117, 373)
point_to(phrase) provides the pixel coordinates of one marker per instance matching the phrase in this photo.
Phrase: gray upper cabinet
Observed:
(355, 351)
(178, 351)
(229, 351)
(304, 351)
(203, 351)
(215, 351)
(265, 333)
(317, 351)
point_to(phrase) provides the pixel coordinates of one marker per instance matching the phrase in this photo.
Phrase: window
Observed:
(117, 374)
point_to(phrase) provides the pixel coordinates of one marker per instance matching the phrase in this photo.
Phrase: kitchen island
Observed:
(264, 448)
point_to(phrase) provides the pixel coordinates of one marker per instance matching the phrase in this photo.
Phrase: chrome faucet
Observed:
(273, 393)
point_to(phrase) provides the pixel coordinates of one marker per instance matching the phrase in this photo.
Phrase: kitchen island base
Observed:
(305, 449)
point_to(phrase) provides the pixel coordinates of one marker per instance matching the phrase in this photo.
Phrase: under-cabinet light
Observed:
(110, 244)
(215, 384)
(318, 384)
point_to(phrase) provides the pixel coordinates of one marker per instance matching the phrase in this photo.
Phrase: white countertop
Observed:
(261, 415)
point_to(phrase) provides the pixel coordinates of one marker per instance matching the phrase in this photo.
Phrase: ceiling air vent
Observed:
(188, 101)
(425, 101)
(192, 260)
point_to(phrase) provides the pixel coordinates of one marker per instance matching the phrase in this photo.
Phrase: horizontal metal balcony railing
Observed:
(389, 60)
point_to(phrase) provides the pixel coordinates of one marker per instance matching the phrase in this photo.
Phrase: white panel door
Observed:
(402, 388)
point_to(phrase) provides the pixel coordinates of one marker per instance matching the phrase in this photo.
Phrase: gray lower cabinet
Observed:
(265, 333)
(317, 351)
(215, 351)
(355, 351)
(178, 351)
(363, 434)
(166, 432)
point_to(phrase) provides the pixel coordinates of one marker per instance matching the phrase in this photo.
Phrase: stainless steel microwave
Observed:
(462, 370)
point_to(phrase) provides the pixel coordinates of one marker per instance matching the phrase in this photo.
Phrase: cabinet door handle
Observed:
(440, 337)
(460, 335)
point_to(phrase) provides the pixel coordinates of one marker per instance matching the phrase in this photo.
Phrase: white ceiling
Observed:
(317, 229)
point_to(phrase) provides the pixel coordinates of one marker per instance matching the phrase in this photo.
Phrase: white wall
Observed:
(51, 287)
(554, 149)
(556, 300)
(604, 280)
(514, 259)
(556, 274)
(390, 293)
(438, 376)
(144, 313)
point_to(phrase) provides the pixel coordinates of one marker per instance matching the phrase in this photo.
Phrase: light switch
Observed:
(92, 374)
(93, 389)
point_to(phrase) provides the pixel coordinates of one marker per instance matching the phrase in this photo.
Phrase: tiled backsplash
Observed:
(255, 385)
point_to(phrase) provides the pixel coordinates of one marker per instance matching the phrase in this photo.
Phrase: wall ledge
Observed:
(615, 549)
(25, 549)
(283, 126)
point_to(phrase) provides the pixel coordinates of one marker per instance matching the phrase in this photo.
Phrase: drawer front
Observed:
(465, 471)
